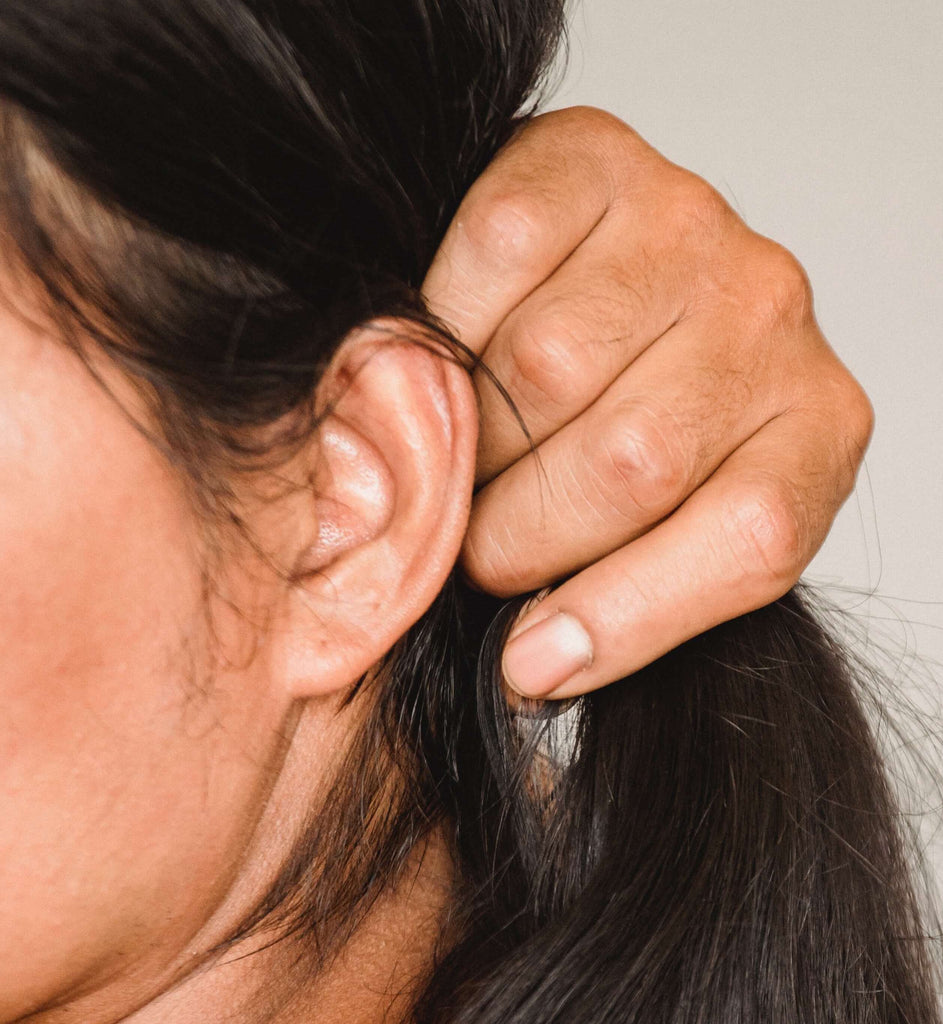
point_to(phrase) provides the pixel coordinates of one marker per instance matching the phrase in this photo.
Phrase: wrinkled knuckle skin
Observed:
(851, 423)
(699, 209)
(509, 228)
(783, 295)
(844, 418)
(544, 367)
(641, 464)
(768, 539)
(859, 415)
(600, 125)
(491, 565)
(582, 125)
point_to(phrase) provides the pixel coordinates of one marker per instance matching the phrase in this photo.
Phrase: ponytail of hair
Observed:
(712, 839)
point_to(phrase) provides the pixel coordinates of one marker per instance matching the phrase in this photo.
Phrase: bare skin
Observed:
(696, 433)
(158, 770)
(158, 763)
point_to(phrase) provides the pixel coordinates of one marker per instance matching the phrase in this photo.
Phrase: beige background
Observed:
(822, 124)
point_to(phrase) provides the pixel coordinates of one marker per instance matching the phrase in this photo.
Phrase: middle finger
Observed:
(628, 461)
(563, 345)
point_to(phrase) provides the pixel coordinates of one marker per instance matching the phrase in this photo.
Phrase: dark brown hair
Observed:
(237, 184)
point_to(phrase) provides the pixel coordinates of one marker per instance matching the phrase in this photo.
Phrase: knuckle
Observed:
(849, 421)
(768, 539)
(860, 416)
(583, 125)
(844, 413)
(640, 460)
(508, 227)
(698, 208)
(493, 563)
(781, 293)
(599, 125)
(544, 364)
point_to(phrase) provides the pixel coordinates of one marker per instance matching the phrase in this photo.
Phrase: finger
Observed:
(561, 347)
(654, 436)
(738, 543)
(531, 208)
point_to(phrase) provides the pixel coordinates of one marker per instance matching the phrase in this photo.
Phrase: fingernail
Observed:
(544, 657)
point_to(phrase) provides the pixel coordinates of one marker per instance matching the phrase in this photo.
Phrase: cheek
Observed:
(97, 561)
(107, 802)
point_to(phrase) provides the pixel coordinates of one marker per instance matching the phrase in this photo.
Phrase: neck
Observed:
(374, 979)
(266, 977)
(375, 975)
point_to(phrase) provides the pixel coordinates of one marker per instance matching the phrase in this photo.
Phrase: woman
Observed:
(246, 771)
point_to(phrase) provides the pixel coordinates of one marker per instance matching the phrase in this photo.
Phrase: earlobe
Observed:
(394, 472)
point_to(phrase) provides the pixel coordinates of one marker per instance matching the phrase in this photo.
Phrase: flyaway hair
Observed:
(218, 191)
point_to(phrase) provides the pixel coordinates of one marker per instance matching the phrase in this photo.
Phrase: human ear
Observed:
(393, 469)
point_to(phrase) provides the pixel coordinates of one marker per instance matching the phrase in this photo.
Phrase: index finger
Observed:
(532, 207)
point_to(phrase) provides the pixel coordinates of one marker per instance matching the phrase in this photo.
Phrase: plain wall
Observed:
(822, 124)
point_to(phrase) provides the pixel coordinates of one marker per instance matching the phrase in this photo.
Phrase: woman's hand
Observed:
(696, 434)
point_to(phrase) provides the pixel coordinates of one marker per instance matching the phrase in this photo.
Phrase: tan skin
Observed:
(697, 433)
(157, 764)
